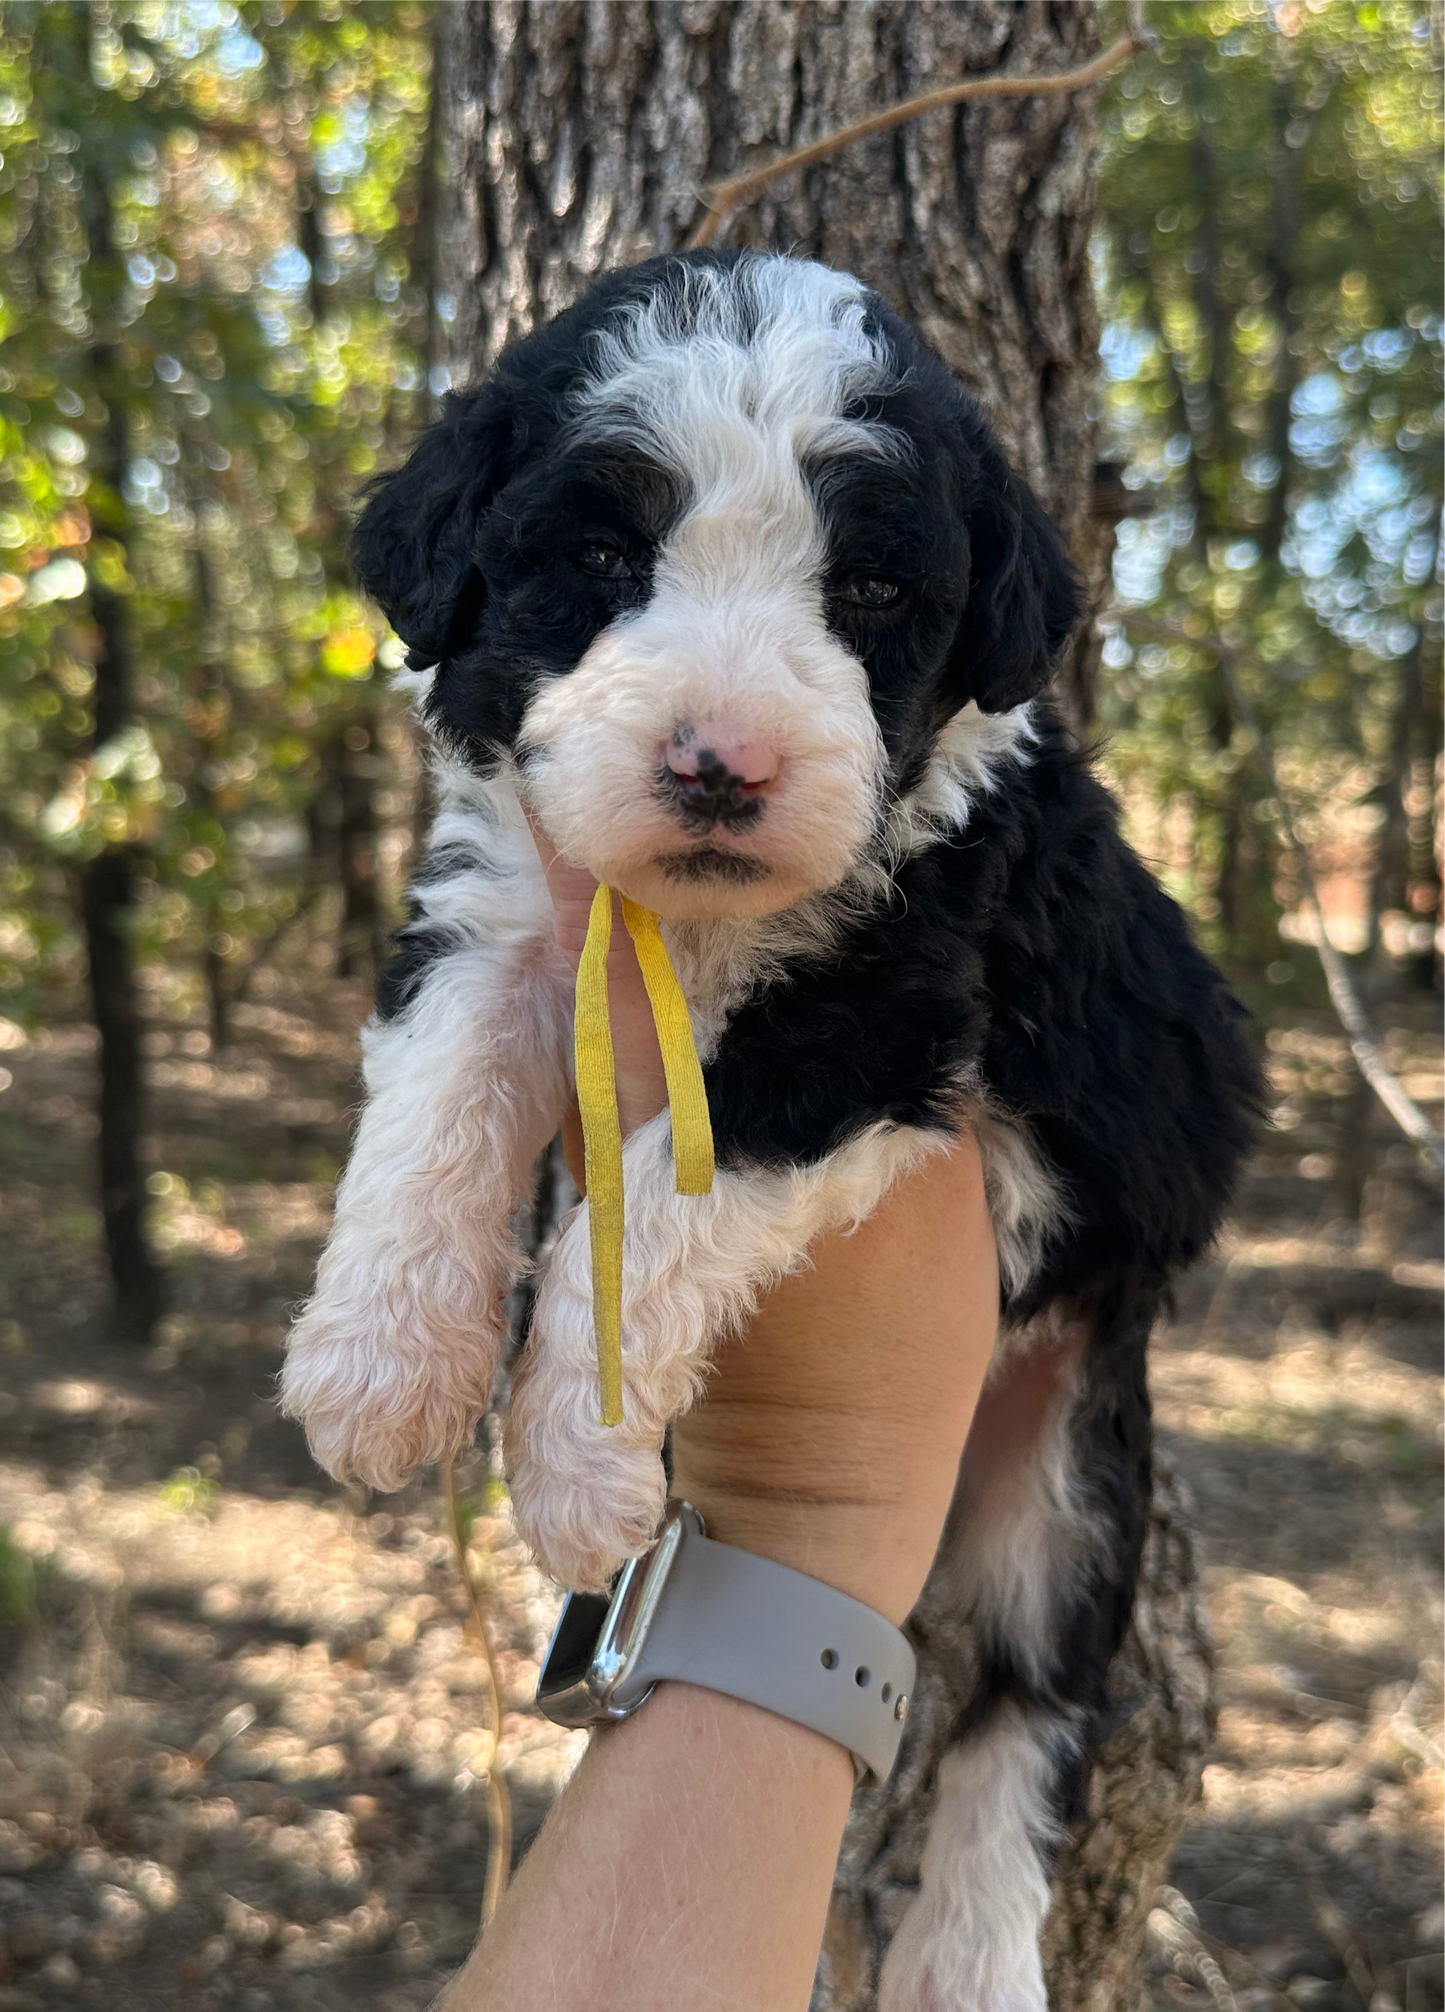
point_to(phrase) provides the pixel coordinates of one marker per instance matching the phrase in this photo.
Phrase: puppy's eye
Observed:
(603, 562)
(870, 590)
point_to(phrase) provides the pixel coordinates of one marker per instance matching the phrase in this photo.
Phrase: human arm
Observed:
(690, 1858)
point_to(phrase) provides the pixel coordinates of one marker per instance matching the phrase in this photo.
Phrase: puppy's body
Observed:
(723, 578)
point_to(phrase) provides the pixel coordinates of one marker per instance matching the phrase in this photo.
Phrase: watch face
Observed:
(570, 1656)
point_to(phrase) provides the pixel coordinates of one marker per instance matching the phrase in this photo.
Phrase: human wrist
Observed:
(877, 1553)
(830, 1433)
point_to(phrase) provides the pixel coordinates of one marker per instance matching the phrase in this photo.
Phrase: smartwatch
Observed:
(704, 1613)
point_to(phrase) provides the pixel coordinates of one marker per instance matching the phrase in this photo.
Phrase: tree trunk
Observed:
(578, 137)
(107, 904)
(108, 881)
(210, 716)
(1423, 889)
(361, 937)
(1284, 238)
(581, 137)
(1425, 884)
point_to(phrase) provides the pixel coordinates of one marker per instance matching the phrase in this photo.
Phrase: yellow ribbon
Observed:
(692, 1151)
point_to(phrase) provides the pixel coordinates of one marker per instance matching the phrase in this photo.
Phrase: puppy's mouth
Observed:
(709, 865)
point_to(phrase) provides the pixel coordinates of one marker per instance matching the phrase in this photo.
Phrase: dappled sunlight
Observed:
(241, 1732)
(279, 1695)
(1298, 1393)
(232, 1668)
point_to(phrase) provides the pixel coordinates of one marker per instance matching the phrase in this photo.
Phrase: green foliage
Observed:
(1270, 276)
(215, 241)
(204, 220)
(19, 1582)
(188, 1492)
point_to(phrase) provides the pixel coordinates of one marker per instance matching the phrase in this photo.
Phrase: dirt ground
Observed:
(240, 1727)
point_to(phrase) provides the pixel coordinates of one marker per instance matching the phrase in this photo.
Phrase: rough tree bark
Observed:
(578, 137)
(108, 880)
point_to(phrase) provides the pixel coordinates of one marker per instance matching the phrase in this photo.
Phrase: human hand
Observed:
(641, 1083)
(831, 1431)
(829, 1439)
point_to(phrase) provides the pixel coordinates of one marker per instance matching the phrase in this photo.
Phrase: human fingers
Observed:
(637, 1059)
(831, 1431)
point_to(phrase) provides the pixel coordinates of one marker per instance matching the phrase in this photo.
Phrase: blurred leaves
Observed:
(260, 164)
(18, 1582)
(188, 1492)
(1270, 275)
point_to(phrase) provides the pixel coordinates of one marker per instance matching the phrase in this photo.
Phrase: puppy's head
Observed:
(715, 555)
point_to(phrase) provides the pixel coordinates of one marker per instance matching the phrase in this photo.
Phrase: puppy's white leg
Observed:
(587, 1495)
(391, 1363)
(970, 1942)
(1040, 1553)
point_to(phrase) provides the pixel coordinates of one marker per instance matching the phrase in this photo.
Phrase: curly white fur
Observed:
(1025, 1198)
(391, 1363)
(970, 759)
(740, 382)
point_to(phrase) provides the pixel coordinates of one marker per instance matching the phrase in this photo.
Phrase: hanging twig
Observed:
(1179, 1914)
(306, 900)
(499, 1801)
(1332, 1920)
(722, 199)
(1174, 1927)
(1343, 996)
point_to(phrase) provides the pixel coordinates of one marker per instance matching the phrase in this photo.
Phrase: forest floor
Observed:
(240, 1726)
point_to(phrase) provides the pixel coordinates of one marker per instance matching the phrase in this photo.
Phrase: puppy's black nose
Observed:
(718, 780)
(714, 794)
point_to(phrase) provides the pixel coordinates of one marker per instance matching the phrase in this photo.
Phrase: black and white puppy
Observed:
(723, 578)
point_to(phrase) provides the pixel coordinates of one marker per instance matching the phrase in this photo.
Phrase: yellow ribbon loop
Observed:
(692, 1149)
(602, 1149)
(686, 1097)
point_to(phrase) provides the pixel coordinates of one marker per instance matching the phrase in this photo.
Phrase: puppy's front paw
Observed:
(585, 1496)
(385, 1379)
(588, 1495)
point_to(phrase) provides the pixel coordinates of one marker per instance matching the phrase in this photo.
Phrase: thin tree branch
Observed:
(306, 900)
(499, 1830)
(1343, 997)
(723, 198)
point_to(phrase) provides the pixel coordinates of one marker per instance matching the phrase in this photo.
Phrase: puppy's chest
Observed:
(718, 965)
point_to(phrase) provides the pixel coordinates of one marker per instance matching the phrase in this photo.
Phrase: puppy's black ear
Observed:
(414, 544)
(1023, 599)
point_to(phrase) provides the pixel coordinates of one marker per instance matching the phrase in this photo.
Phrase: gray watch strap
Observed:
(755, 1630)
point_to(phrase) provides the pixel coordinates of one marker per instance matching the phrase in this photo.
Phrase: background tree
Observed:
(1273, 256)
(578, 139)
(187, 400)
(1271, 252)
